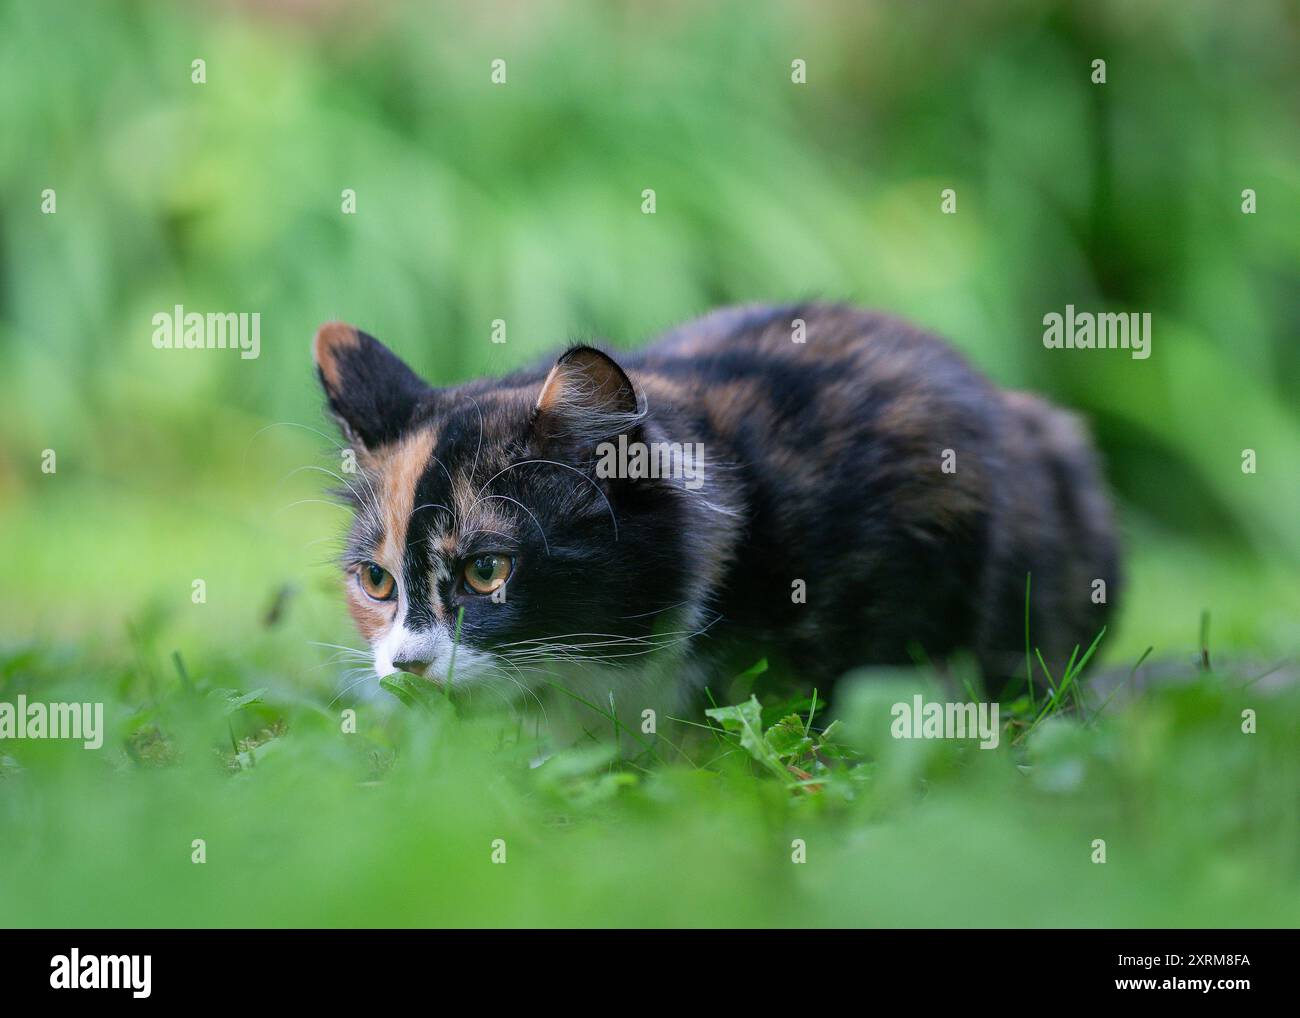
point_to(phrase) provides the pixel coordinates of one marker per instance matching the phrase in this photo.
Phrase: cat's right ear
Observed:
(371, 392)
(585, 399)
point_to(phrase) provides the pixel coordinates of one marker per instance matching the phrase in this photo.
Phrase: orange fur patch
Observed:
(332, 338)
(372, 618)
(398, 468)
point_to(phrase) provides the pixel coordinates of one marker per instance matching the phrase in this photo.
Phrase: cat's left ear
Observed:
(371, 392)
(586, 398)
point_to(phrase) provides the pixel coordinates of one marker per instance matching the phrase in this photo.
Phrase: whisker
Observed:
(307, 501)
(338, 646)
(431, 505)
(613, 637)
(657, 611)
(545, 544)
(370, 504)
(486, 530)
(554, 463)
(473, 469)
(349, 687)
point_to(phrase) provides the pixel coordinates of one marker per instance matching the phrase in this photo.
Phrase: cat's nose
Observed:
(412, 666)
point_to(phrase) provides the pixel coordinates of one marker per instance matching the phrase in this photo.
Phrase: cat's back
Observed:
(823, 380)
(872, 459)
(786, 332)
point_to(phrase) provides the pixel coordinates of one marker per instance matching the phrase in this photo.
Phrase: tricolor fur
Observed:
(822, 464)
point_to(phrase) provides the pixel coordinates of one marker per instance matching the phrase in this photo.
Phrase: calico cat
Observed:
(817, 484)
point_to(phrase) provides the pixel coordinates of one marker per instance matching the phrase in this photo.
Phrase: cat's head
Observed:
(483, 499)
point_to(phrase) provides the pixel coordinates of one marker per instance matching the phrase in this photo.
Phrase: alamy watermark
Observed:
(1105, 331)
(179, 329)
(75, 971)
(921, 720)
(636, 460)
(23, 720)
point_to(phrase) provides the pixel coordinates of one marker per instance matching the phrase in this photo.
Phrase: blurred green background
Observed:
(522, 202)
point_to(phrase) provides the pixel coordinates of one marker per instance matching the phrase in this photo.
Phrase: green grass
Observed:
(304, 824)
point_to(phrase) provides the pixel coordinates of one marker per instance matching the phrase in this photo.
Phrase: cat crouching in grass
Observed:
(819, 485)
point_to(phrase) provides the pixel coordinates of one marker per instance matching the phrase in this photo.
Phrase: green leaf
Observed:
(412, 692)
(826, 738)
(398, 686)
(235, 700)
(786, 738)
(746, 720)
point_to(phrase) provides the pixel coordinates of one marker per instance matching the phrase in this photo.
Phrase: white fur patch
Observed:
(431, 645)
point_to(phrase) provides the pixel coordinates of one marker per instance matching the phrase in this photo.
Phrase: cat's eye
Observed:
(376, 581)
(485, 574)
